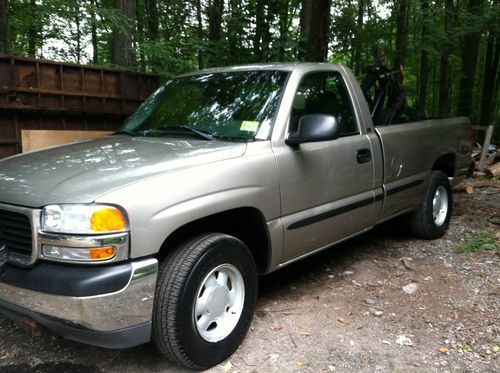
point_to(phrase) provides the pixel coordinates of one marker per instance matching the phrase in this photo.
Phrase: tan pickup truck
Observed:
(161, 230)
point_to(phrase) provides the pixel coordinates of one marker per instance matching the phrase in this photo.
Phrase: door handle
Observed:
(363, 155)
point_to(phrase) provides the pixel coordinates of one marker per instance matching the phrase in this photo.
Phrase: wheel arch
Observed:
(248, 224)
(445, 163)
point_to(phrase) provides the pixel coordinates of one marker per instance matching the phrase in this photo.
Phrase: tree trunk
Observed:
(93, 31)
(401, 33)
(358, 44)
(266, 32)
(305, 26)
(491, 62)
(122, 54)
(139, 12)
(199, 20)
(317, 42)
(424, 59)
(152, 18)
(434, 109)
(260, 25)
(315, 20)
(284, 6)
(78, 34)
(4, 27)
(234, 32)
(444, 80)
(469, 52)
(215, 29)
(32, 29)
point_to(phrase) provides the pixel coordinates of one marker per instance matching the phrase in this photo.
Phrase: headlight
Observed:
(83, 219)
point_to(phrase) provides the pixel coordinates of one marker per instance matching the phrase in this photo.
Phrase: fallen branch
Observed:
(322, 283)
(291, 338)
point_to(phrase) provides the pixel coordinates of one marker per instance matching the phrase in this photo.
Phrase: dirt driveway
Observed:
(382, 302)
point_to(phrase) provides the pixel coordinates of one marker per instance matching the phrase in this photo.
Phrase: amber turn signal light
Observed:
(102, 253)
(107, 219)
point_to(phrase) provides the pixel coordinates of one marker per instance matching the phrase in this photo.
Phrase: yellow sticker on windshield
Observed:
(249, 125)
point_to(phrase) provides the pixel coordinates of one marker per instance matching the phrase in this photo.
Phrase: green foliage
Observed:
(172, 37)
(481, 240)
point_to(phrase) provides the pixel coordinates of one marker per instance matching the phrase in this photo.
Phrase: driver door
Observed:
(326, 187)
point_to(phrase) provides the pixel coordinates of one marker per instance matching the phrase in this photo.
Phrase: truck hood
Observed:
(81, 172)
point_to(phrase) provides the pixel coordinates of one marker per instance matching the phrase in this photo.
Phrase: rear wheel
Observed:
(205, 299)
(431, 219)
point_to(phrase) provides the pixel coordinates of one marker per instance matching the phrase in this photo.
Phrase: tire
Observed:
(199, 317)
(431, 219)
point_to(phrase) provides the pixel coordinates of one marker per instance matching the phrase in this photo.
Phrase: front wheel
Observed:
(431, 219)
(205, 299)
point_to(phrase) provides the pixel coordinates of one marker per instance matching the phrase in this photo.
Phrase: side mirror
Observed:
(313, 128)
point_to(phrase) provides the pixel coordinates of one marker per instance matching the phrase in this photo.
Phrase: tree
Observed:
(152, 18)
(444, 81)
(314, 24)
(358, 44)
(78, 31)
(234, 31)
(139, 13)
(4, 27)
(261, 28)
(305, 26)
(402, 14)
(469, 52)
(122, 54)
(33, 28)
(491, 64)
(200, 34)
(283, 11)
(93, 30)
(424, 58)
(215, 11)
(450, 48)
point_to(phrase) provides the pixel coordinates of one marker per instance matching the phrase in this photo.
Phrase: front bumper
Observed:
(119, 317)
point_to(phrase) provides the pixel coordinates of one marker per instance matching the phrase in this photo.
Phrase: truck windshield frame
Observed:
(234, 105)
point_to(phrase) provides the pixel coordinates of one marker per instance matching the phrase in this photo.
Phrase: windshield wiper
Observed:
(201, 134)
(125, 132)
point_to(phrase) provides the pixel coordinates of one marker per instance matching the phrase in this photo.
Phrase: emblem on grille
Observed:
(4, 255)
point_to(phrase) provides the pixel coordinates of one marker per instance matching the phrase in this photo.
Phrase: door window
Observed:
(324, 93)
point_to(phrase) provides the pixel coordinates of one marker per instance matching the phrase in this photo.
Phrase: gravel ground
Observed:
(383, 302)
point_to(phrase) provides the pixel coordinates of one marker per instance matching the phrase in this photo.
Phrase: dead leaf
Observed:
(342, 320)
(443, 350)
(407, 262)
(226, 368)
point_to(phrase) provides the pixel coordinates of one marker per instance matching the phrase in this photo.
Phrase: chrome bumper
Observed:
(121, 310)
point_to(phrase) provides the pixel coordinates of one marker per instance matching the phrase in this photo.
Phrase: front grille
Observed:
(15, 232)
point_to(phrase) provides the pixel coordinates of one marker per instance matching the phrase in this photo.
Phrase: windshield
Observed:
(228, 105)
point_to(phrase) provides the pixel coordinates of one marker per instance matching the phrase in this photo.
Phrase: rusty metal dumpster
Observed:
(38, 94)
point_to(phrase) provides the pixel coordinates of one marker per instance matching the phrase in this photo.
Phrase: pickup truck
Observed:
(160, 231)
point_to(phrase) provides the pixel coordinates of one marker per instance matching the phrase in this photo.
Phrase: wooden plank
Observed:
(38, 139)
(493, 170)
(486, 145)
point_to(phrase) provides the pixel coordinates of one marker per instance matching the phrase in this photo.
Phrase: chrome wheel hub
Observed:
(219, 303)
(440, 205)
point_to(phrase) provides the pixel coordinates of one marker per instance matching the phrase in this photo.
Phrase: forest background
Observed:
(449, 49)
